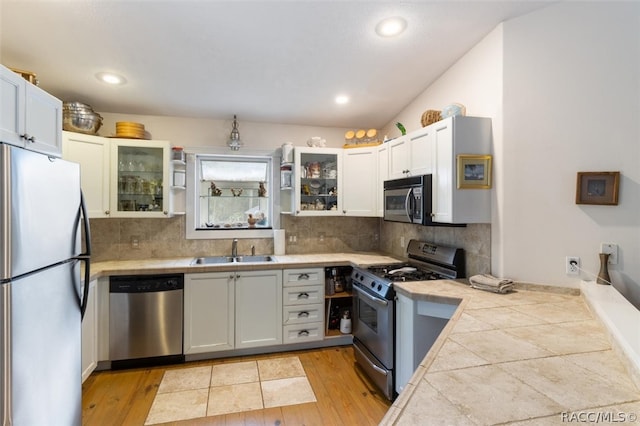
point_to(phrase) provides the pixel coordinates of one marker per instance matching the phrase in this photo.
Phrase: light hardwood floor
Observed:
(344, 396)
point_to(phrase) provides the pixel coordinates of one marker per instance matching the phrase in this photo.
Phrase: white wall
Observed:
(562, 86)
(571, 103)
(193, 132)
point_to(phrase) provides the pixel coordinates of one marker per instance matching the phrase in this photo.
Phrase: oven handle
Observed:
(373, 299)
(371, 364)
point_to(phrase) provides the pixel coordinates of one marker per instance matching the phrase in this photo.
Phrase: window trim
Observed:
(193, 233)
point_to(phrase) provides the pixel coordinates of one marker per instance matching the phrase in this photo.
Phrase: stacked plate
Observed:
(80, 118)
(129, 130)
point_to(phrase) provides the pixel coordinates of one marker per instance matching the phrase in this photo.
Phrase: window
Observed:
(229, 196)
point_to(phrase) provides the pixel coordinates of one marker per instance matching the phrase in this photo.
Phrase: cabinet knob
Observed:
(166, 213)
(28, 138)
(344, 212)
(107, 212)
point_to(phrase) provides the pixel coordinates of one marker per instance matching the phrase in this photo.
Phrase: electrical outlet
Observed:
(402, 241)
(293, 239)
(612, 250)
(135, 242)
(572, 265)
(321, 236)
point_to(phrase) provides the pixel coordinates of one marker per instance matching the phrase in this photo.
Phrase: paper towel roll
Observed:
(278, 242)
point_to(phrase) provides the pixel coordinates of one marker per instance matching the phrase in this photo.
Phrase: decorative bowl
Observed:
(88, 123)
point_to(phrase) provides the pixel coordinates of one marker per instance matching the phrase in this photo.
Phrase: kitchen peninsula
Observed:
(535, 356)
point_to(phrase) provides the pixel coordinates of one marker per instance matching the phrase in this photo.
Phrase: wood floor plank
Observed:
(343, 397)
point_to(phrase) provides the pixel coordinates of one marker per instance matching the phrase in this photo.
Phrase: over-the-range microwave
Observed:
(408, 200)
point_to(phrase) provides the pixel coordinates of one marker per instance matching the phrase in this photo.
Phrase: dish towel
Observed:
(490, 283)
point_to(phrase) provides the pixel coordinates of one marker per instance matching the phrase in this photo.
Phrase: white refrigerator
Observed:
(41, 298)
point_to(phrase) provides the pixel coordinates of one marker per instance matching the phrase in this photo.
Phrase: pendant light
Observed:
(234, 138)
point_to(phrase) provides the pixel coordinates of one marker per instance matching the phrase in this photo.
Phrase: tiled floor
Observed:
(190, 393)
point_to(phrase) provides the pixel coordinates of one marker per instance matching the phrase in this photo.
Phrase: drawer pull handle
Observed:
(303, 333)
(303, 295)
(303, 314)
(303, 277)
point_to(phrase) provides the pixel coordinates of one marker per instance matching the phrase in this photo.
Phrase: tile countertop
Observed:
(529, 357)
(183, 265)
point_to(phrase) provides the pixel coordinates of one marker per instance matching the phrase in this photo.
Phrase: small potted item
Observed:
(252, 221)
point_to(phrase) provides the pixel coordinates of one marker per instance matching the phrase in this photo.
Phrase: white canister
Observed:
(287, 153)
(345, 324)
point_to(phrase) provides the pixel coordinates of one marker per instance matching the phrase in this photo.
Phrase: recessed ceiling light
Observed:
(390, 27)
(342, 99)
(110, 78)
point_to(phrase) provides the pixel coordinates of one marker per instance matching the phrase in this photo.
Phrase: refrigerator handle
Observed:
(86, 256)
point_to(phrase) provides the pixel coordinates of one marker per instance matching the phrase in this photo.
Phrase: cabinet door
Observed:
(359, 181)
(319, 183)
(404, 340)
(399, 158)
(442, 197)
(92, 153)
(209, 302)
(421, 152)
(43, 121)
(12, 107)
(383, 174)
(139, 178)
(258, 314)
(90, 333)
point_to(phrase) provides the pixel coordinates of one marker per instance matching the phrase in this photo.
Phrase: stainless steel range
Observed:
(374, 304)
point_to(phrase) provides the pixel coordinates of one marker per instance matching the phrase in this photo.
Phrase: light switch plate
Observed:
(612, 249)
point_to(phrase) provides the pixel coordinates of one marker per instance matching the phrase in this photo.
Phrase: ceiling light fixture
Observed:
(342, 99)
(111, 78)
(234, 138)
(390, 27)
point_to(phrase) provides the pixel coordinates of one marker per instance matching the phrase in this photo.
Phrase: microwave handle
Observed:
(408, 205)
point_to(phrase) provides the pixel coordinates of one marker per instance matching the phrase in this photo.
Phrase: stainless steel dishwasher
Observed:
(145, 320)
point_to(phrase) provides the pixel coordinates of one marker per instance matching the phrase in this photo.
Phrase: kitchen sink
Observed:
(211, 260)
(256, 258)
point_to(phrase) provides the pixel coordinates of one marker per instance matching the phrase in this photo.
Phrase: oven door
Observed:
(373, 324)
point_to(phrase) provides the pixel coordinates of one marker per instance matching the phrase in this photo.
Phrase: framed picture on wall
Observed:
(474, 171)
(597, 188)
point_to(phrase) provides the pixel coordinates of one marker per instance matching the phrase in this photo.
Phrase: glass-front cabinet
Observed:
(318, 174)
(139, 178)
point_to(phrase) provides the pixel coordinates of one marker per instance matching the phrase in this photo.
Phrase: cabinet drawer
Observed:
(302, 295)
(303, 332)
(297, 277)
(302, 314)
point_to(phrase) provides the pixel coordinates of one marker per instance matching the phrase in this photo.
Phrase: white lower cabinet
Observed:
(258, 307)
(418, 325)
(209, 302)
(232, 310)
(90, 333)
(303, 305)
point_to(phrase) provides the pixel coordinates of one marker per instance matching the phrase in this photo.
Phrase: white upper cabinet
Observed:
(318, 182)
(411, 154)
(383, 174)
(29, 116)
(92, 153)
(360, 182)
(452, 137)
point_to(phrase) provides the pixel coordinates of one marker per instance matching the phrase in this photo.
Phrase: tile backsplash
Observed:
(129, 239)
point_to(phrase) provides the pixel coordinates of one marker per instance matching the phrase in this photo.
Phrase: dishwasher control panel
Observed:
(145, 283)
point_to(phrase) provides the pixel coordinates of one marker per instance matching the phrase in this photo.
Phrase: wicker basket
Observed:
(430, 116)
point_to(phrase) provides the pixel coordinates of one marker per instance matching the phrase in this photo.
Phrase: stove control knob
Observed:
(379, 287)
(357, 275)
(373, 284)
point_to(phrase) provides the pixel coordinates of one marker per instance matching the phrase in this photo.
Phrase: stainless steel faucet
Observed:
(234, 248)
